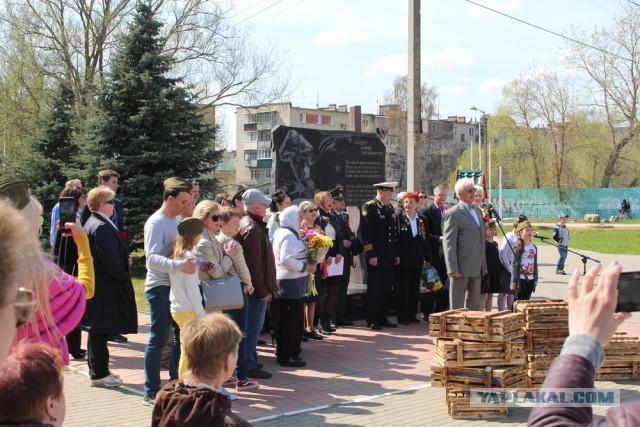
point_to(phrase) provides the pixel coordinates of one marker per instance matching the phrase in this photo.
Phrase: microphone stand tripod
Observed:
(584, 258)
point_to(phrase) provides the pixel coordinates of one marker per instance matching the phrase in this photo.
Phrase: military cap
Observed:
(17, 191)
(338, 192)
(389, 186)
(190, 226)
(522, 218)
(523, 225)
(176, 183)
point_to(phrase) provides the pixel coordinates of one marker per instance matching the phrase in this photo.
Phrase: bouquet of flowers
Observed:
(317, 247)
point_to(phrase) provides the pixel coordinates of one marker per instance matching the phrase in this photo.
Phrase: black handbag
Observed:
(224, 293)
(357, 247)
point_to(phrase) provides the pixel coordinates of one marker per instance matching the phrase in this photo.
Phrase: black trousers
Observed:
(290, 327)
(379, 289)
(525, 289)
(341, 303)
(98, 355)
(73, 340)
(406, 292)
(434, 302)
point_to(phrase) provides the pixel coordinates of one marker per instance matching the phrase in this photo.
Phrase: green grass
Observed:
(605, 240)
(138, 274)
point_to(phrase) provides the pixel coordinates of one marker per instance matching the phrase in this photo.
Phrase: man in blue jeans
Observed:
(160, 232)
(254, 238)
(561, 235)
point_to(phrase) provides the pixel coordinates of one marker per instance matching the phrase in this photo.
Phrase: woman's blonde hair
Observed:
(208, 341)
(227, 213)
(38, 272)
(303, 206)
(320, 196)
(11, 247)
(204, 208)
(99, 195)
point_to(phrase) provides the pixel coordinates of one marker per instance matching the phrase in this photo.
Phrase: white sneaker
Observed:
(108, 381)
(230, 395)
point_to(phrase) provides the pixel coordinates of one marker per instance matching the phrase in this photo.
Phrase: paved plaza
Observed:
(355, 377)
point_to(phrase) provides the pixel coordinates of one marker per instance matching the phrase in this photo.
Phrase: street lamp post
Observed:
(482, 137)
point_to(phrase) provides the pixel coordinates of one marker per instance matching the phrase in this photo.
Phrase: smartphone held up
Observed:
(629, 291)
(68, 211)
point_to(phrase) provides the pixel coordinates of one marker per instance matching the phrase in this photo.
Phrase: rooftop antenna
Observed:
(317, 99)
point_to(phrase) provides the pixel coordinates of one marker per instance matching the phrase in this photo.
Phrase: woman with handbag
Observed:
(226, 255)
(414, 251)
(292, 273)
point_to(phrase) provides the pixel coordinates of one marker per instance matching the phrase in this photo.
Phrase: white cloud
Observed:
(339, 38)
(463, 80)
(450, 57)
(453, 90)
(390, 64)
(492, 86)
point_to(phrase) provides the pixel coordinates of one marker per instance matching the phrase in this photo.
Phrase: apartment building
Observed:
(254, 162)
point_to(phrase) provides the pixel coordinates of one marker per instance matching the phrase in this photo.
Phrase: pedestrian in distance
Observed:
(561, 236)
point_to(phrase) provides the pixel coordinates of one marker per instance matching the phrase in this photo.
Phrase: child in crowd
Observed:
(507, 246)
(185, 298)
(491, 282)
(561, 236)
(524, 269)
(211, 345)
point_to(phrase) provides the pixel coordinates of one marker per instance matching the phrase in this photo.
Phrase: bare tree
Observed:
(72, 40)
(395, 136)
(613, 68)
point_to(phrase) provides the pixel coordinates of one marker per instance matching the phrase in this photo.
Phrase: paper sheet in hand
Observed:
(335, 268)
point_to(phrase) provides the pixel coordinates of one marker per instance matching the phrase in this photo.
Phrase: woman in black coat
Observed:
(414, 251)
(112, 310)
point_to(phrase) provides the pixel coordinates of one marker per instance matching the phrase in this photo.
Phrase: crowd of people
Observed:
(88, 285)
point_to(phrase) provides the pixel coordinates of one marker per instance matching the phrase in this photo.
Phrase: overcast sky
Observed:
(349, 51)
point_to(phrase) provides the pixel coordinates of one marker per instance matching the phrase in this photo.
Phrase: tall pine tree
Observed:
(146, 124)
(54, 154)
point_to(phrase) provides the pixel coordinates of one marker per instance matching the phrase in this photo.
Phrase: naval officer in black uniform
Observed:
(379, 235)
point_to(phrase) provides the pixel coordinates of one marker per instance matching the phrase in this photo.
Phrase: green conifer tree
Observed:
(53, 154)
(146, 125)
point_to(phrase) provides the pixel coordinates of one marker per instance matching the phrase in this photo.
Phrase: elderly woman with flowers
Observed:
(292, 273)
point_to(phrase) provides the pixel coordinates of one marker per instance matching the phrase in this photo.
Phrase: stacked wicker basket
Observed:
(477, 349)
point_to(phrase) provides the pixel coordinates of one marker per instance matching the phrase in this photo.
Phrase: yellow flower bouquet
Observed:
(317, 247)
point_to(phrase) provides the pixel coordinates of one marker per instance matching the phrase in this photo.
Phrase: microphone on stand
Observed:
(493, 212)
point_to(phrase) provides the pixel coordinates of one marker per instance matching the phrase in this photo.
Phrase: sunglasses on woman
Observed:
(312, 210)
(23, 305)
(214, 218)
(109, 202)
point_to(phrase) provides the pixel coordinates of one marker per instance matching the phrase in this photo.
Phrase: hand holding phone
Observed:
(68, 211)
(629, 292)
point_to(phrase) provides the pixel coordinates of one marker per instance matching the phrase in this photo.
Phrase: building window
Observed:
(250, 155)
(255, 174)
(250, 118)
(251, 136)
(392, 140)
(303, 118)
(264, 135)
(267, 174)
(470, 131)
(265, 118)
(327, 120)
(396, 174)
(462, 137)
(365, 122)
(264, 154)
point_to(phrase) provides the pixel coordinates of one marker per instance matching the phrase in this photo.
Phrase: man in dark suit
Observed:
(109, 178)
(464, 249)
(339, 210)
(435, 302)
(379, 235)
